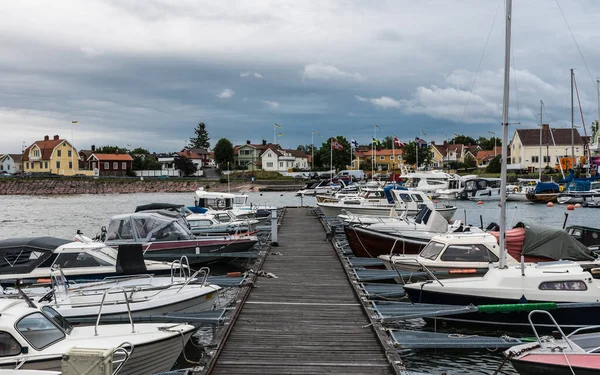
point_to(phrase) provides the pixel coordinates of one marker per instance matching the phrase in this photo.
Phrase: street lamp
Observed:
(491, 132)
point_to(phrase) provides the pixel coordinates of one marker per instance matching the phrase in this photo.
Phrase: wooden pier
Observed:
(308, 320)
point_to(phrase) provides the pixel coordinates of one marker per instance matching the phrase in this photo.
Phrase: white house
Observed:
(276, 159)
(555, 143)
(11, 163)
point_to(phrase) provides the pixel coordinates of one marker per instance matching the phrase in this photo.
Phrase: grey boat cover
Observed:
(554, 243)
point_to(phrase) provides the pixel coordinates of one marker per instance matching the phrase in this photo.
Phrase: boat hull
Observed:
(371, 244)
(334, 210)
(542, 198)
(556, 364)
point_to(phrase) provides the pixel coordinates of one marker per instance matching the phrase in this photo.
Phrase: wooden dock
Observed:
(308, 320)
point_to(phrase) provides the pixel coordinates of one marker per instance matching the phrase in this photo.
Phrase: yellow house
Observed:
(388, 160)
(53, 156)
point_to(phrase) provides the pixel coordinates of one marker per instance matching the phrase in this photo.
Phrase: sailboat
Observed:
(554, 282)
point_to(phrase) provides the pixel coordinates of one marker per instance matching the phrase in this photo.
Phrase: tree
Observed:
(387, 143)
(494, 166)
(185, 165)
(463, 139)
(139, 151)
(409, 154)
(200, 139)
(488, 144)
(223, 152)
(470, 162)
(341, 158)
(111, 150)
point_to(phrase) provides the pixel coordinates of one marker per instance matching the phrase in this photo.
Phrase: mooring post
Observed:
(274, 219)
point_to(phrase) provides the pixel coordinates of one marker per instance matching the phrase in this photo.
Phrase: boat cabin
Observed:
(588, 236)
(147, 226)
(219, 201)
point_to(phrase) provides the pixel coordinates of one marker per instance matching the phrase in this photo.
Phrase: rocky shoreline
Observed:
(32, 186)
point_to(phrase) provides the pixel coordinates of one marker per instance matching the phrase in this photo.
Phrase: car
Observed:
(5, 174)
(301, 176)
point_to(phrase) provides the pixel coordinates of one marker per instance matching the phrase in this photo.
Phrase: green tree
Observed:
(200, 138)
(185, 165)
(223, 152)
(463, 139)
(488, 144)
(341, 158)
(111, 150)
(139, 151)
(470, 162)
(387, 143)
(494, 166)
(409, 154)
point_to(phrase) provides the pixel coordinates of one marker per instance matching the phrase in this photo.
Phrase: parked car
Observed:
(4, 174)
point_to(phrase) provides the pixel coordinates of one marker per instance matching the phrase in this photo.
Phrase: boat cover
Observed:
(554, 243)
(546, 187)
(437, 223)
(159, 206)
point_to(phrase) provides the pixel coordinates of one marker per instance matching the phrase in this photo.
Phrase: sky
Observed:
(145, 73)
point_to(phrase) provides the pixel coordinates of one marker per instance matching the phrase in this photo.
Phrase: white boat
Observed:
(209, 223)
(481, 189)
(519, 191)
(403, 201)
(38, 338)
(32, 259)
(236, 203)
(321, 187)
(456, 184)
(580, 191)
(426, 182)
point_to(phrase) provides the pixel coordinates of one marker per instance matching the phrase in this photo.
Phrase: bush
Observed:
(223, 180)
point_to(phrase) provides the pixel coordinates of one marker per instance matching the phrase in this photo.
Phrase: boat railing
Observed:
(118, 288)
(125, 350)
(203, 272)
(540, 341)
(180, 266)
(424, 267)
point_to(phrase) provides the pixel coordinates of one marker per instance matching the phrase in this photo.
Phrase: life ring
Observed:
(516, 190)
(220, 203)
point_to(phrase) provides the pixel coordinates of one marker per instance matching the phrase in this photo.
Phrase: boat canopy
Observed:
(148, 227)
(546, 187)
(554, 243)
(159, 206)
(388, 194)
(22, 255)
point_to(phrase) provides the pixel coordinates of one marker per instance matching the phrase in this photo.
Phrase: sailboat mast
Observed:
(572, 125)
(505, 104)
(541, 126)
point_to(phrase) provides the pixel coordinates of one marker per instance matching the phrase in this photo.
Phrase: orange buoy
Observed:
(234, 274)
(570, 207)
(550, 204)
(480, 202)
(577, 205)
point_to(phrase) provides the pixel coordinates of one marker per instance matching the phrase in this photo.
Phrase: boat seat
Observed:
(130, 260)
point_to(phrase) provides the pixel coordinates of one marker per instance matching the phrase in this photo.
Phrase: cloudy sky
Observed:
(144, 73)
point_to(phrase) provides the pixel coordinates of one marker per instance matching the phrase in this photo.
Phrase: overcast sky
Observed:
(144, 73)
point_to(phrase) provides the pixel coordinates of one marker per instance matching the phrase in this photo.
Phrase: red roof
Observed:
(190, 155)
(112, 157)
(47, 146)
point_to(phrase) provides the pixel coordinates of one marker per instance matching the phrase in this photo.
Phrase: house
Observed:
(556, 143)
(483, 157)
(52, 156)
(447, 153)
(385, 159)
(248, 156)
(273, 158)
(11, 163)
(110, 164)
(202, 157)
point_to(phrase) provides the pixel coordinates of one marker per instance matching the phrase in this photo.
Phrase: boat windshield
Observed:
(432, 250)
(171, 232)
(8, 345)
(57, 318)
(39, 331)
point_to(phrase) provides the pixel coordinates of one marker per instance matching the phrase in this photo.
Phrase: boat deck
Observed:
(309, 319)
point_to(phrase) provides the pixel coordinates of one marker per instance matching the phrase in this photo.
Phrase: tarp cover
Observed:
(554, 243)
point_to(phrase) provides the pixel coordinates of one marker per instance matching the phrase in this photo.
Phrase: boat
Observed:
(37, 338)
(166, 235)
(588, 236)
(456, 184)
(377, 203)
(32, 259)
(580, 190)
(544, 192)
(236, 203)
(426, 182)
(474, 249)
(481, 189)
(519, 191)
(405, 236)
(576, 353)
(321, 187)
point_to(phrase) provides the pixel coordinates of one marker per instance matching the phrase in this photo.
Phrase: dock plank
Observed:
(308, 320)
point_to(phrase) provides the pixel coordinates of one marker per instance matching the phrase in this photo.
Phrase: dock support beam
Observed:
(274, 221)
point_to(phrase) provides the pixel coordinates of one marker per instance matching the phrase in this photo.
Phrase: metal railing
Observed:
(102, 305)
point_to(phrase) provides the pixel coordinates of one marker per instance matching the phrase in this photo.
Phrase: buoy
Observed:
(234, 274)
(577, 205)
(480, 202)
(550, 204)
(570, 207)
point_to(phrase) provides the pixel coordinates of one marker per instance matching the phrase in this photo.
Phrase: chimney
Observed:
(264, 142)
(117, 151)
(46, 138)
(56, 138)
(433, 143)
(446, 143)
(546, 127)
(248, 142)
(93, 148)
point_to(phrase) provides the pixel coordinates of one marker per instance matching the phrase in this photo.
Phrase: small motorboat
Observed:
(576, 353)
(481, 189)
(37, 339)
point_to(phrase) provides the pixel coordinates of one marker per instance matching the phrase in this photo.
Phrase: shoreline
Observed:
(34, 186)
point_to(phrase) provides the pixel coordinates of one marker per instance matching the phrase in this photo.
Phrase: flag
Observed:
(314, 132)
(421, 142)
(354, 144)
(278, 126)
(377, 126)
(74, 122)
(337, 145)
(280, 134)
(423, 132)
(397, 142)
(376, 142)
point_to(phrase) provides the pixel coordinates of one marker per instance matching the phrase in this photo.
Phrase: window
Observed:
(200, 223)
(46, 164)
(270, 164)
(70, 165)
(59, 153)
(563, 285)
(58, 164)
(57, 318)
(36, 153)
(78, 260)
(281, 164)
(432, 250)
(69, 153)
(39, 331)
(124, 165)
(392, 157)
(246, 152)
(115, 165)
(27, 165)
(106, 165)
(546, 159)
(535, 159)
(8, 345)
(468, 253)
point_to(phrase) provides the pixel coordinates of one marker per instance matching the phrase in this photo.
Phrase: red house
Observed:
(110, 164)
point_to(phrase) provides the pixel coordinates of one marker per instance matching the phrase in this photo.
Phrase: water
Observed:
(62, 216)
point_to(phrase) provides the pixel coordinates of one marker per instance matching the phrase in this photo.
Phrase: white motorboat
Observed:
(32, 259)
(407, 202)
(210, 224)
(456, 184)
(426, 182)
(481, 189)
(38, 338)
(519, 191)
(321, 187)
(236, 203)
(580, 190)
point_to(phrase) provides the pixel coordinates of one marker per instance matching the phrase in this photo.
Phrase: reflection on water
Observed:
(62, 216)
